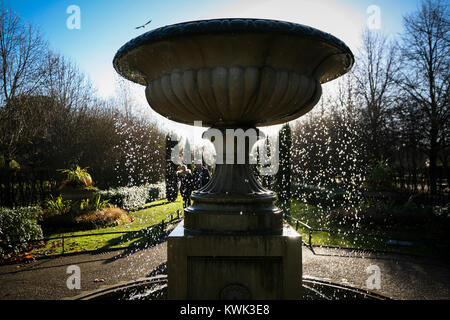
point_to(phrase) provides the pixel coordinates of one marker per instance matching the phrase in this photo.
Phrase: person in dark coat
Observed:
(186, 181)
(201, 176)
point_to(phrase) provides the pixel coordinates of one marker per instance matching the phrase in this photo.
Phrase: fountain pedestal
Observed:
(233, 244)
(232, 267)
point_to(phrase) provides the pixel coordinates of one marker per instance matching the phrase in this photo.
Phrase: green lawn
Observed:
(151, 215)
(311, 215)
(422, 237)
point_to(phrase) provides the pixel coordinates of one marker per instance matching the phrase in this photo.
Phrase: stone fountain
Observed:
(233, 74)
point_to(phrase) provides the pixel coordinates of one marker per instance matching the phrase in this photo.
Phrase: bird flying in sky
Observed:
(143, 26)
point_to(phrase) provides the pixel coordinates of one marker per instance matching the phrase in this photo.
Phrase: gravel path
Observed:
(402, 277)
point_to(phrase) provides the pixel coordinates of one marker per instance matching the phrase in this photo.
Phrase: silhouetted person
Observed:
(185, 178)
(201, 176)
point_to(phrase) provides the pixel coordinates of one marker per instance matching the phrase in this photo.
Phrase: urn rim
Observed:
(225, 26)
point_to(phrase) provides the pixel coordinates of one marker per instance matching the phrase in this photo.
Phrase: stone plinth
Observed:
(257, 267)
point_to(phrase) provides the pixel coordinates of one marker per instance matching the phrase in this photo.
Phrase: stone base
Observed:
(230, 267)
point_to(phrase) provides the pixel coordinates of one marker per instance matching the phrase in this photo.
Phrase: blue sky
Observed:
(107, 24)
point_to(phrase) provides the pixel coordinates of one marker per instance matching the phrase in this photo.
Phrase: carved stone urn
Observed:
(233, 74)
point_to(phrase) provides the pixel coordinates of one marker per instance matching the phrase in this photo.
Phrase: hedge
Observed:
(18, 227)
(134, 197)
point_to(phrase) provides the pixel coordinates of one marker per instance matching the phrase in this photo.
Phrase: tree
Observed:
(266, 180)
(425, 78)
(328, 148)
(171, 171)
(374, 72)
(256, 167)
(283, 177)
(410, 157)
(51, 117)
(139, 145)
(21, 52)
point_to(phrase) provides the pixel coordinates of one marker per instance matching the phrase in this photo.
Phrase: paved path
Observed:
(46, 278)
(402, 277)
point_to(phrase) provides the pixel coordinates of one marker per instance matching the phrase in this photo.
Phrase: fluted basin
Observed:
(233, 72)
